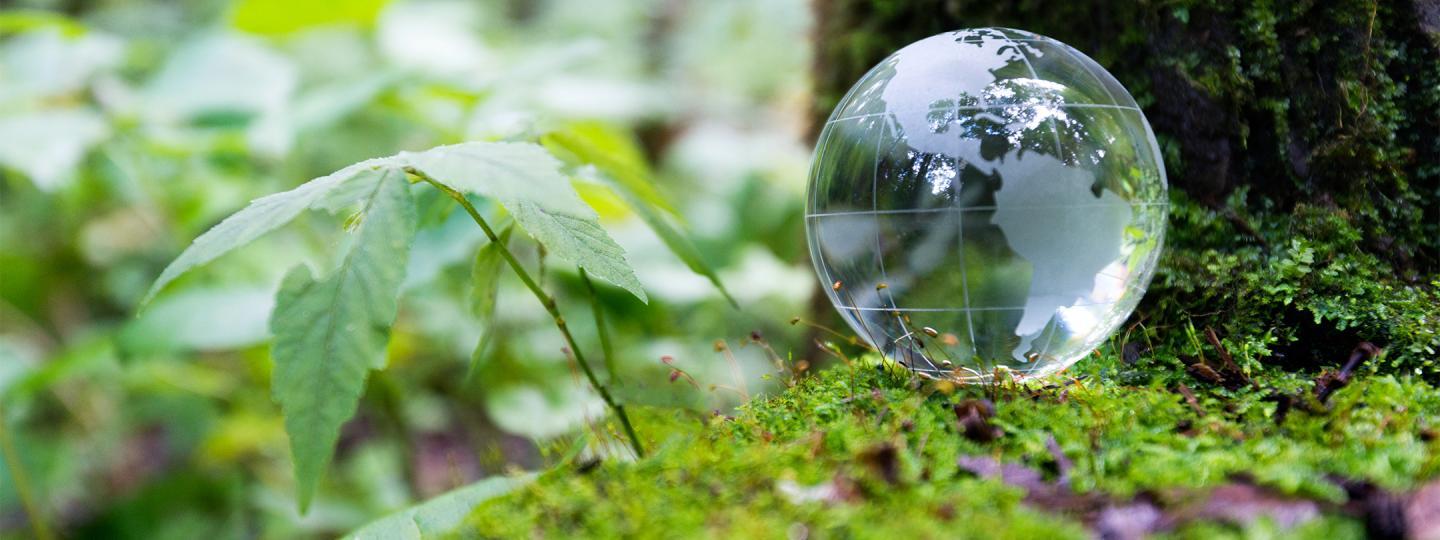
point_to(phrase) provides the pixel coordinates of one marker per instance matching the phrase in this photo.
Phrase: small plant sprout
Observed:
(332, 330)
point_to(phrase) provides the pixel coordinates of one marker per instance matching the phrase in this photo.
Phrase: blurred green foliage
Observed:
(129, 128)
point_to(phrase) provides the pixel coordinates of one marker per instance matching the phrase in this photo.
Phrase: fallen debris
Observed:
(1329, 381)
(1190, 400)
(1243, 503)
(885, 461)
(974, 416)
(1240, 502)
(837, 490)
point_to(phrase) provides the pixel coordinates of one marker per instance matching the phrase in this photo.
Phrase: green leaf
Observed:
(26, 20)
(485, 276)
(201, 319)
(226, 74)
(441, 514)
(48, 145)
(526, 180)
(612, 151)
(616, 155)
(330, 333)
(580, 240)
(678, 243)
(285, 16)
(484, 286)
(261, 216)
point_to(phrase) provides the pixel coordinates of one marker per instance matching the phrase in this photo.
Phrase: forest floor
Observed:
(868, 450)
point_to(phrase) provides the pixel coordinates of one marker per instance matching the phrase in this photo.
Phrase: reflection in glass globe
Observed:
(985, 199)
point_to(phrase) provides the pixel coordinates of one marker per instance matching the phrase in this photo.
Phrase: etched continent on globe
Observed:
(986, 198)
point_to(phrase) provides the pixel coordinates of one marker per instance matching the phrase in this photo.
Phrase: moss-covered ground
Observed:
(1303, 145)
(865, 451)
(1219, 409)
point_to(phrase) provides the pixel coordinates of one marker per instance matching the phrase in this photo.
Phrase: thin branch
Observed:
(545, 300)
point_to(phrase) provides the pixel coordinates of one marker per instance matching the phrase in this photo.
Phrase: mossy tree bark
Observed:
(1303, 139)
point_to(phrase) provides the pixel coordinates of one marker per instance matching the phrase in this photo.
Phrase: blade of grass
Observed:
(606, 349)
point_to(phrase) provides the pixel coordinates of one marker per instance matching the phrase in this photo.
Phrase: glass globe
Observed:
(984, 201)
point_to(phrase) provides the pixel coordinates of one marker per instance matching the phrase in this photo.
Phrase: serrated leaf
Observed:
(526, 180)
(484, 288)
(617, 156)
(329, 333)
(441, 514)
(579, 240)
(355, 188)
(261, 216)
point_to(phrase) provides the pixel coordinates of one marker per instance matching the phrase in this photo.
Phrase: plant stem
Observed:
(22, 483)
(601, 328)
(545, 300)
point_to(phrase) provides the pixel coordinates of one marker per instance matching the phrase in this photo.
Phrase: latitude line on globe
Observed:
(969, 108)
(962, 209)
(1079, 56)
(965, 309)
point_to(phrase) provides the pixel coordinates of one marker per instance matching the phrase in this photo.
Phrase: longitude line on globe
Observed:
(1059, 152)
(960, 246)
(879, 247)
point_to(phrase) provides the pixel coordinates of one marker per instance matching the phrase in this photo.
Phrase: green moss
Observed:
(1304, 146)
(723, 477)
(1295, 293)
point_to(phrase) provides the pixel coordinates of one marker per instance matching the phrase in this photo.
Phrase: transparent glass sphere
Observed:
(986, 199)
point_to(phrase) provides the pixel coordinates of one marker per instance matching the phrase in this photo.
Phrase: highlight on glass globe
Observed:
(986, 201)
